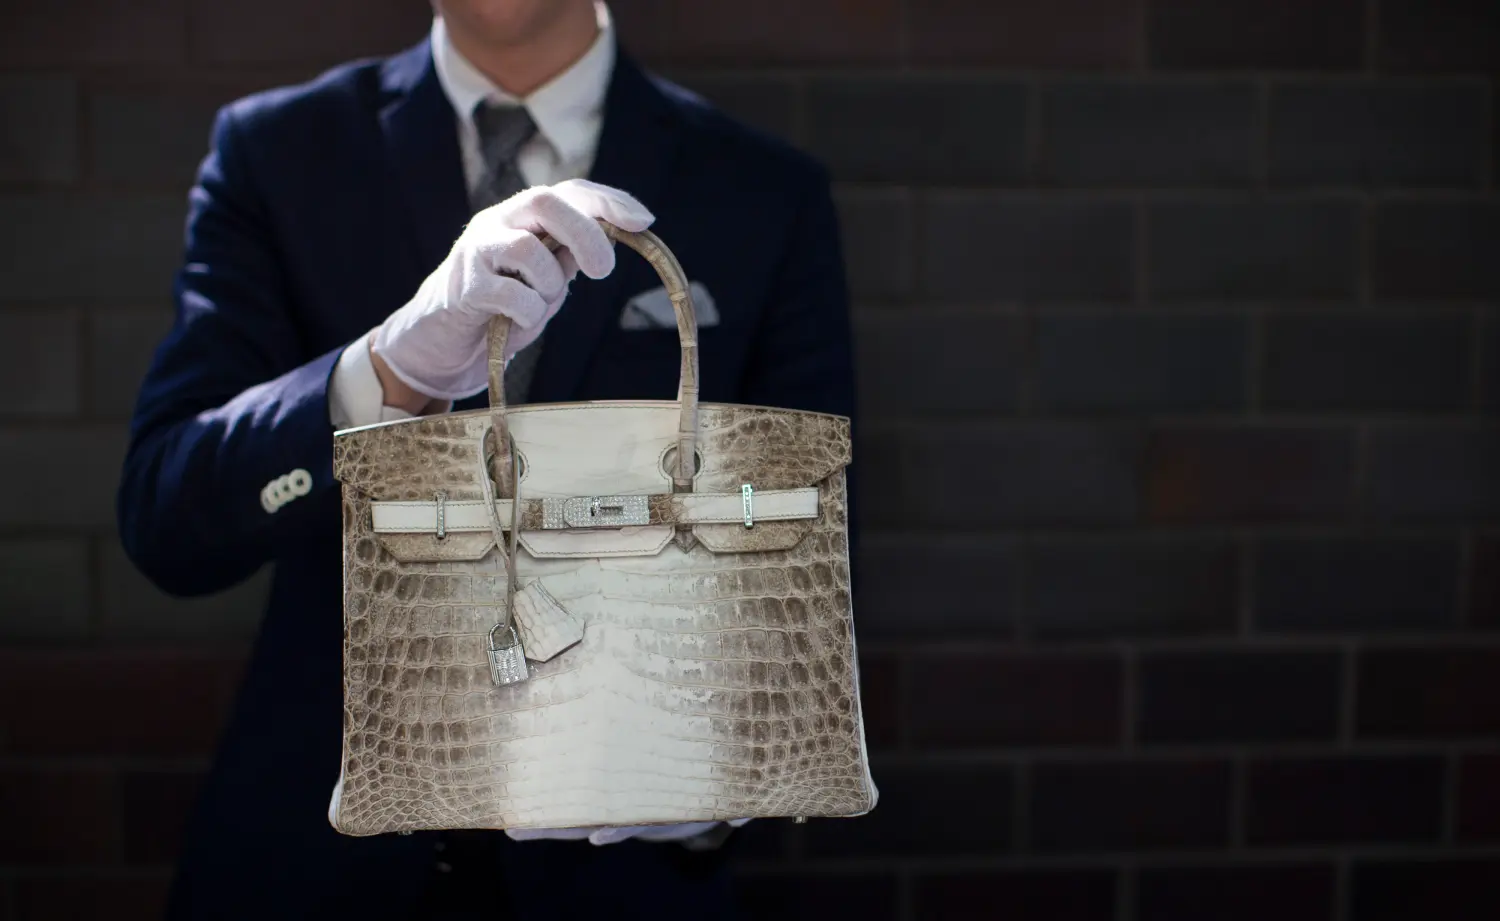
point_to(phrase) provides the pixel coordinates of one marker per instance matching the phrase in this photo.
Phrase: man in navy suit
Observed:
(316, 217)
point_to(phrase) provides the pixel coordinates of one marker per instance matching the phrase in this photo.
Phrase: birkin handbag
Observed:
(599, 613)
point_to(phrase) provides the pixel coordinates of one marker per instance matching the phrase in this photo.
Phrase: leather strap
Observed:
(678, 509)
(675, 280)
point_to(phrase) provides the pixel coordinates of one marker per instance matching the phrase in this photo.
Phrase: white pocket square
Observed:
(652, 309)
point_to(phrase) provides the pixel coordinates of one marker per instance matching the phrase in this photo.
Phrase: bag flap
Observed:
(590, 449)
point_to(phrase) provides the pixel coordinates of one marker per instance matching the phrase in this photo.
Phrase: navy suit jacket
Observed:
(317, 213)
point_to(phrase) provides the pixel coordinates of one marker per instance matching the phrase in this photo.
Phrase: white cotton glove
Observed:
(437, 344)
(605, 835)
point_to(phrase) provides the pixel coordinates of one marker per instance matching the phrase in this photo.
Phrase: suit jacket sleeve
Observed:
(803, 357)
(234, 397)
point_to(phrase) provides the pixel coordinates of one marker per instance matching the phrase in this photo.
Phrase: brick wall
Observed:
(1182, 590)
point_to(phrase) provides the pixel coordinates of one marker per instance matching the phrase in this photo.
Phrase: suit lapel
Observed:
(636, 148)
(421, 141)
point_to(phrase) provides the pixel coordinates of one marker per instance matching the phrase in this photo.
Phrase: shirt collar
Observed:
(565, 109)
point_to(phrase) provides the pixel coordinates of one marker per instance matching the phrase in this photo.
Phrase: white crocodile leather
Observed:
(711, 683)
(546, 627)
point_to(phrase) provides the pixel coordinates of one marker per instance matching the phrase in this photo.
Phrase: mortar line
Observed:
(1342, 882)
(1360, 476)
(1480, 321)
(1239, 796)
(1142, 289)
(1126, 887)
(1465, 583)
(1034, 140)
(1260, 156)
(1249, 563)
(1256, 321)
(1451, 775)
(1349, 702)
(1020, 820)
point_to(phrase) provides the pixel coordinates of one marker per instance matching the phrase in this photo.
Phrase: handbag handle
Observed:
(675, 281)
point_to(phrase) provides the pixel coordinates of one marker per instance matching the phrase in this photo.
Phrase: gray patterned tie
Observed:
(503, 130)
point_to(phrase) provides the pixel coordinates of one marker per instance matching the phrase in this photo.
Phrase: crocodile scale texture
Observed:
(713, 681)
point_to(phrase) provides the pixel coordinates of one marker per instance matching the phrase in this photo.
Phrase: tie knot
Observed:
(503, 129)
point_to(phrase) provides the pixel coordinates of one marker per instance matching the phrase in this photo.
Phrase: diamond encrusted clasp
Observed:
(595, 512)
(747, 498)
(507, 658)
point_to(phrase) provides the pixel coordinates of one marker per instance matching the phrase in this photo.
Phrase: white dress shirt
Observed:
(568, 111)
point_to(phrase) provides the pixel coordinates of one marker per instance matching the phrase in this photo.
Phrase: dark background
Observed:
(1180, 361)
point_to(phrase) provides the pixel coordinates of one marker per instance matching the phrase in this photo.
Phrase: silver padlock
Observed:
(508, 661)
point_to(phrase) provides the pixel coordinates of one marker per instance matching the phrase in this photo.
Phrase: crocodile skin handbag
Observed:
(601, 613)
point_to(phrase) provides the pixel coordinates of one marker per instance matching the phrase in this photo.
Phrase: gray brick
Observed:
(1154, 134)
(66, 476)
(1453, 36)
(919, 129)
(826, 32)
(1309, 585)
(1428, 692)
(1234, 250)
(916, 814)
(292, 31)
(1240, 891)
(877, 474)
(1436, 473)
(1484, 596)
(38, 129)
(910, 585)
(1438, 249)
(1059, 35)
(1241, 34)
(93, 32)
(1378, 134)
(1310, 801)
(1112, 587)
(973, 478)
(39, 362)
(117, 248)
(1214, 474)
(135, 610)
(1072, 700)
(1111, 806)
(937, 362)
(1194, 697)
(1141, 362)
(150, 138)
(1338, 361)
(1074, 894)
(1456, 888)
(809, 896)
(44, 589)
(763, 101)
(121, 343)
(876, 226)
(996, 248)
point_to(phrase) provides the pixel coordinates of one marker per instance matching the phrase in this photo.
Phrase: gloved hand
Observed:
(612, 835)
(436, 344)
